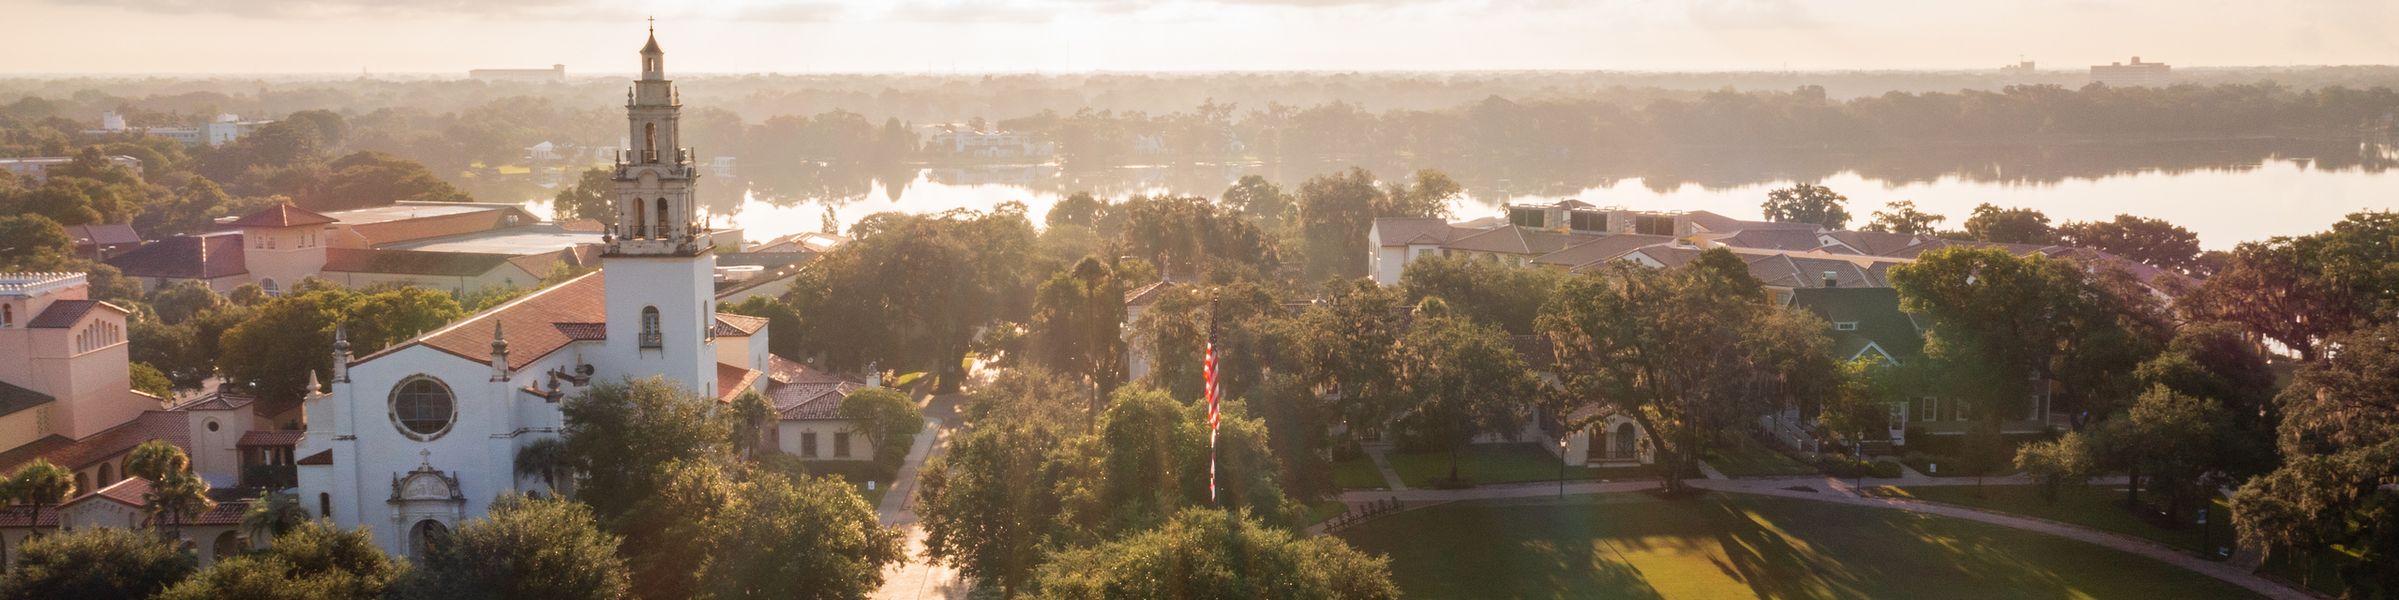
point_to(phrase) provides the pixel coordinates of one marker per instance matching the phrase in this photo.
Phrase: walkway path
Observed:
(917, 578)
(1380, 455)
(1845, 491)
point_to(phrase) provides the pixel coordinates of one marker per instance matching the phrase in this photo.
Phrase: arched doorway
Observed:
(426, 536)
(1623, 442)
(227, 545)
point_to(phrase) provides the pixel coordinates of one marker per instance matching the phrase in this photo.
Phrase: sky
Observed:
(915, 36)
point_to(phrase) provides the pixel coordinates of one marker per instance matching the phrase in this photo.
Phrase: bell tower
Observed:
(658, 257)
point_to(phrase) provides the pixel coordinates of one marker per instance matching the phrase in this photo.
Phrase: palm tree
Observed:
(273, 514)
(546, 458)
(41, 483)
(155, 460)
(178, 498)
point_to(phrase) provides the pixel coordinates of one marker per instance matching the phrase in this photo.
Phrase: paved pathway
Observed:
(917, 577)
(1380, 454)
(1845, 491)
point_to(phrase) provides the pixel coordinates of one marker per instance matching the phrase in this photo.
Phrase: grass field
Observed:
(1358, 474)
(1745, 457)
(2101, 507)
(1730, 546)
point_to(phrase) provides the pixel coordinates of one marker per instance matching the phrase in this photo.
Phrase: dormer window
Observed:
(650, 336)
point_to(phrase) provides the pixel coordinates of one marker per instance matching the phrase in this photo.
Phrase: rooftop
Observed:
(281, 215)
(515, 241)
(27, 284)
(185, 257)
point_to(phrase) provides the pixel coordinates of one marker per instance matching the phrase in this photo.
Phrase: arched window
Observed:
(650, 337)
(1625, 438)
(268, 284)
(641, 219)
(662, 229)
(423, 408)
(426, 536)
(8, 315)
(649, 142)
(108, 474)
(227, 545)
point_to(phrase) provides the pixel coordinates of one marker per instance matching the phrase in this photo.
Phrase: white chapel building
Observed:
(410, 441)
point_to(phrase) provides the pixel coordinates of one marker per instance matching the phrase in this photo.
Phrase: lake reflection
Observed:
(2227, 192)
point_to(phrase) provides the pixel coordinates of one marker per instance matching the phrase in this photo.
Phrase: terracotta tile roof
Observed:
(1600, 248)
(731, 380)
(801, 392)
(31, 450)
(128, 492)
(224, 398)
(281, 215)
(322, 457)
(411, 262)
(1719, 223)
(1874, 243)
(446, 223)
(227, 512)
(1770, 239)
(65, 313)
(262, 438)
(1401, 231)
(173, 427)
(583, 225)
(104, 234)
(733, 325)
(185, 257)
(582, 331)
(13, 399)
(20, 516)
(531, 323)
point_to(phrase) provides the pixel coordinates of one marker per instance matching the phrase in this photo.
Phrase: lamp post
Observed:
(1561, 461)
(2203, 549)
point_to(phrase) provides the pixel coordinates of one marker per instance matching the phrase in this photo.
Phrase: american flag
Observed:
(1208, 374)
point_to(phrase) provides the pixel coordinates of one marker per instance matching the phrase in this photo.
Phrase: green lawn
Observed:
(1729, 546)
(2097, 507)
(1745, 457)
(1498, 463)
(2101, 507)
(1358, 474)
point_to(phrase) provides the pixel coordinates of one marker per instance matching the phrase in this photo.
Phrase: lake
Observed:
(2226, 191)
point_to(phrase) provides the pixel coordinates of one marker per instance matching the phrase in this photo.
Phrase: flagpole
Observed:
(1209, 373)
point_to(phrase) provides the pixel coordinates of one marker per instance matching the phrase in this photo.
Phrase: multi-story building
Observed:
(2132, 74)
(36, 169)
(224, 129)
(554, 73)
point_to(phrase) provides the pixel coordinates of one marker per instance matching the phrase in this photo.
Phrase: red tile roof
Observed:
(731, 380)
(65, 313)
(19, 515)
(104, 234)
(322, 457)
(531, 323)
(281, 215)
(173, 427)
(412, 262)
(185, 257)
(801, 392)
(583, 331)
(733, 325)
(128, 492)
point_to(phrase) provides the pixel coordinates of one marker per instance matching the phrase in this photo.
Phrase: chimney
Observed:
(1832, 279)
(499, 352)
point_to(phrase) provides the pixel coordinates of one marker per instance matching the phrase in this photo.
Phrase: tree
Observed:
(97, 563)
(309, 561)
(2058, 464)
(911, 292)
(547, 459)
(2215, 360)
(1678, 350)
(149, 380)
(1808, 203)
(378, 319)
(2340, 442)
(1463, 379)
(155, 460)
(2151, 241)
(1428, 193)
(1215, 554)
(990, 503)
(1998, 322)
(1485, 291)
(810, 538)
(1335, 211)
(1078, 323)
(589, 198)
(178, 498)
(2179, 447)
(886, 416)
(783, 324)
(369, 179)
(1902, 217)
(1150, 457)
(2276, 289)
(618, 435)
(1191, 237)
(525, 548)
(274, 514)
(1079, 208)
(284, 340)
(1262, 201)
(177, 302)
(35, 243)
(2009, 225)
(41, 483)
(1348, 342)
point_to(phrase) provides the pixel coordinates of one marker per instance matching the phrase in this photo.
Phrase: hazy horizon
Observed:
(200, 37)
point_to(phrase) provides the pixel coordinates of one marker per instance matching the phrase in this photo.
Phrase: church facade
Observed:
(411, 441)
